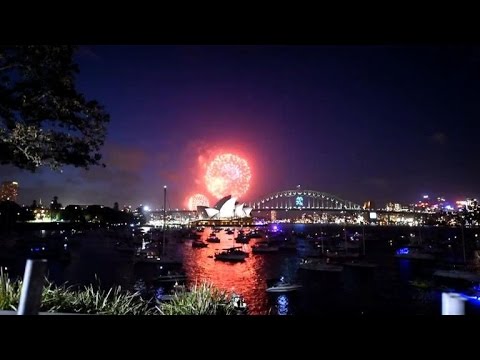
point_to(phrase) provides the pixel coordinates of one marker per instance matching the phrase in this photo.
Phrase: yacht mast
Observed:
(164, 217)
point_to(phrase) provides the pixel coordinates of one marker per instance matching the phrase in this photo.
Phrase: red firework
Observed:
(197, 200)
(228, 174)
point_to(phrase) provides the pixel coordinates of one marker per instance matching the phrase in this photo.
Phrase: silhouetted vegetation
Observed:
(44, 120)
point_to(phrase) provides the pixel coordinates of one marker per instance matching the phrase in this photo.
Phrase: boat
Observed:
(231, 254)
(147, 259)
(168, 260)
(319, 265)
(264, 248)
(162, 259)
(283, 286)
(171, 277)
(458, 274)
(199, 244)
(341, 257)
(360, 264)
(354, 262)
(243, 239)
(348, 246)
(158, 260)
(413, 254)
(253, 234)
(213, 239)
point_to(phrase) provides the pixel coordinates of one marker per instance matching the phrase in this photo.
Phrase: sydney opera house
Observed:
(226, 209)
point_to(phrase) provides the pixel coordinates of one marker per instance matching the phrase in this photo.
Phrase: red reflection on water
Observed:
(247, 278)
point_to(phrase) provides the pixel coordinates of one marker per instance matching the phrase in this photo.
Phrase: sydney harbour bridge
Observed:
(298, 199)
(306, 201)
(302, 200)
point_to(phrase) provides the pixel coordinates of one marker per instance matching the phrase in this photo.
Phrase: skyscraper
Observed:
(9, 191)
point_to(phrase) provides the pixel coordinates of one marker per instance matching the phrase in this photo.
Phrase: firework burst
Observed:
(228, 174)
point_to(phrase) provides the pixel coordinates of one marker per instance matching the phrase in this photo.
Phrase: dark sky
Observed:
(361, 122)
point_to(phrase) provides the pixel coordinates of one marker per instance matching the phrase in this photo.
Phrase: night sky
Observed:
(382, 123)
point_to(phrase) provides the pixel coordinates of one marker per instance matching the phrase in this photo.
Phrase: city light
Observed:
(403, 251)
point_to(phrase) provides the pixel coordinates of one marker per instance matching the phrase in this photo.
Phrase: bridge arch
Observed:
(303, 199)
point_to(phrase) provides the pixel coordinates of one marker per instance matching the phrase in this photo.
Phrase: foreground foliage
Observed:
(89, 300)
(9, 292)
(203, 299)
(86, 300)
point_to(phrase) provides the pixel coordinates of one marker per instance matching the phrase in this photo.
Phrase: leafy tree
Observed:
(55, 207)
(26, 214)
(44, 120)
(9, 214)
(74, 213)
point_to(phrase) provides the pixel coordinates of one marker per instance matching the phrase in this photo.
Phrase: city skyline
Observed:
(423, 201)
(360, 122)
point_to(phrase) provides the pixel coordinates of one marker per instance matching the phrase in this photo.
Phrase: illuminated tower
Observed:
(9, 191)
(273, 216)
(368, 205)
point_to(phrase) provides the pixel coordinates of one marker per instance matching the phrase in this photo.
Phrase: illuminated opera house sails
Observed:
(225, 208)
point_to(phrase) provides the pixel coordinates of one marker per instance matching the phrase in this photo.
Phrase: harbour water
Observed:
(394, 287)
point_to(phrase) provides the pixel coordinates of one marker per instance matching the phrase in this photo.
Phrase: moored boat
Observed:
(199, 244)
(458, 274)
(264, 248)
(213, 239)
(283, 286)
(413, 254)
(231, 254)
(171, 277)
(319, 265)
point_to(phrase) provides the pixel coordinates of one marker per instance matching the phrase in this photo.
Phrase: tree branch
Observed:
(9, 67)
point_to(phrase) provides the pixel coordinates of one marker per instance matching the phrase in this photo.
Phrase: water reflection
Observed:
(282, 305)
(251, 277)
(247, 278)
(405, 267)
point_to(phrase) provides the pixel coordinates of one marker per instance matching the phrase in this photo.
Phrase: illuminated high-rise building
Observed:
(368, 205)
(9, 191)
(393, 207)
(469, 205)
